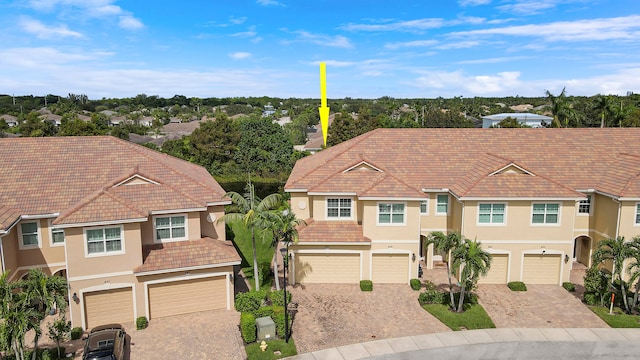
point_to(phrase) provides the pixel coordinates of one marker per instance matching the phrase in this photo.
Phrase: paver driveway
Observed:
(538, 307)
(331, 315)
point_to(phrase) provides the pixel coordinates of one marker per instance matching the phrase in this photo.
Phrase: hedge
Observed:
(517, 286)
(248, 327)
(415, 284)
(250, 301)
(366, 285)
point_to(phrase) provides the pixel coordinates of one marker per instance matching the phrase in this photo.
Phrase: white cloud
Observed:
(415, 43)
(618, 28)
(408, 25)
(240, 55)
(473, 2)
(130, 23)
(528, 7)
(43, 31)
(335, 63)
(338, 41)
(460, 45)
(270, 3)
(237, 21)
(42, 58)
(500, 83)
(246, 34)
(494, 60)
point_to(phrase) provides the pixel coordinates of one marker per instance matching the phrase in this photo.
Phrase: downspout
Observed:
(462, 215)
(617, 231)
(2, 252)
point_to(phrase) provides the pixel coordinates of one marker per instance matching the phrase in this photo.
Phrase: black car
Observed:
(105, 342)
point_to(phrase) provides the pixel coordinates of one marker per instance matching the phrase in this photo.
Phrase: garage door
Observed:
(327, 268)
(498, 272)
(183, 297)
(390, 268)
(541, 269)
(109, 306)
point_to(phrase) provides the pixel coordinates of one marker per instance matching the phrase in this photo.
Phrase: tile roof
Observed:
(561, 161)
(75, 177)
(8, 217)
(187, 254)
(331, 231)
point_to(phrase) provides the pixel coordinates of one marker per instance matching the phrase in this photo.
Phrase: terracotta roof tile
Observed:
(60, 174)
(187, 254)
(8, 216)
(565, 160)
(331, 231)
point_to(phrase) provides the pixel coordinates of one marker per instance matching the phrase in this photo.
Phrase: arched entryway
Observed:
(582, 250)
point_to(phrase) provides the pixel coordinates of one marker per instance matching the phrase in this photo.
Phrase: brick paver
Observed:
(333, 315)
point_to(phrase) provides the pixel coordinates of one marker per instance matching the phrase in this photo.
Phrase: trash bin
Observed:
(266, 328)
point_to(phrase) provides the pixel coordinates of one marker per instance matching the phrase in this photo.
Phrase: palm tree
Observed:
(602, 104)
(254, 213)
(633, 268)
(562, 111)
(473, 262)
(617, 251)
(41, 293)
(445, 244)
(284, 226)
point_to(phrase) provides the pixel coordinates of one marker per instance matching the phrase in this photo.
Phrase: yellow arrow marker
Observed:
(323, 109)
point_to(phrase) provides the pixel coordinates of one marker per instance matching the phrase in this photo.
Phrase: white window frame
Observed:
(105, 253)
(51, 231)
(426, 203)
(637, 223)
(171, 239)
(589, 202)
(391, 223)
(338, 218)
(491, 214)
(545, 214)
(21, 244)
(438, 202)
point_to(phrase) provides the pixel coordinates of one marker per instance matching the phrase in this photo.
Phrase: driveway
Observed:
(539, 307)
(331, 315)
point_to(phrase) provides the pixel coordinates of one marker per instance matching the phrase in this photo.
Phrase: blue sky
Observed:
(416, 49)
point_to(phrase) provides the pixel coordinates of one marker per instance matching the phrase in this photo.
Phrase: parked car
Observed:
(105, 342)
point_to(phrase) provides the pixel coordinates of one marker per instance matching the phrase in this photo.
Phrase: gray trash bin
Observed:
(266, 328)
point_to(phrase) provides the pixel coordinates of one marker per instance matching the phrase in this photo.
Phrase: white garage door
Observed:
(541, 269)
(498, 272)
(390, 268)
(327, 268)
(108, 306)
(183, 297)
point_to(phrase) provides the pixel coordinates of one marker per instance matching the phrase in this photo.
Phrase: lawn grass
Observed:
(474, 317)
(286, 349)
(618, 320)
(242, 241)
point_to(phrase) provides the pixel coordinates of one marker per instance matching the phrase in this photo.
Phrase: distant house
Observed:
(10, 120)
(268, 110)
(52, 118)
(532, 120)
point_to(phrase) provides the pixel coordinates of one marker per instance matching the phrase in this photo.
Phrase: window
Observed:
(638, 214)
(170, 228)
(545, 213)
(339, 208)
(104, 240)
(584, 207)
(56, 235)
(424, 207)
(491, 213)
(29, 234)
(391, 213)
(443, 204)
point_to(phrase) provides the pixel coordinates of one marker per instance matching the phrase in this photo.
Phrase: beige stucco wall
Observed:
(82, 265)
(410, 230)
(432, 221)
(628, 227)
(302, 205)
(605, 217)
(214, 229)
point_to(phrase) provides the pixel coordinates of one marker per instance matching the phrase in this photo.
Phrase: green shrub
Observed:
(250, 301)
(264, 311)
(429, 285)
(277, 297)
(432, 297)
(469, 298)
(591, 299)
(76, 333)
(596, 282)
(415, 284)
(569, 286)
(517, 286)
(248, 327)
(366, 285)
(142, 322)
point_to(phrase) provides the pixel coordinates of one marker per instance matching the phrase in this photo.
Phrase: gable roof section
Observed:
(559, 161)
(75, 176)
(8, 217)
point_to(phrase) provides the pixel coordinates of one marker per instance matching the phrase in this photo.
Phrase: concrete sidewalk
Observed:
(577, 343)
